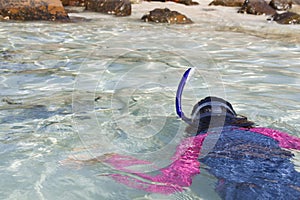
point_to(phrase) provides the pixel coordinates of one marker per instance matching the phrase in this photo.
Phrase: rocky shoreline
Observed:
(281, 11)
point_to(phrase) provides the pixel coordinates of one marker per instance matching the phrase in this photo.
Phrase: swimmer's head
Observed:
(209, 112)
(214, 112)
(212, 106)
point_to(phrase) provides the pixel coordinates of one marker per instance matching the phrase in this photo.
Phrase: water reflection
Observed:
(52, 74)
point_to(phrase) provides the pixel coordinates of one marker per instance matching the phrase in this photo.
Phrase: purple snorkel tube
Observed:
(178, 97)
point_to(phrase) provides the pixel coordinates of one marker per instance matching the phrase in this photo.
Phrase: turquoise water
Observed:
(72, 92)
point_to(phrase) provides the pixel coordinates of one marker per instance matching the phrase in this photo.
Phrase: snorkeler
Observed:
(249, 162)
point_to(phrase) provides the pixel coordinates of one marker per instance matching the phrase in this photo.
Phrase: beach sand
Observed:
(227, 19)
(218, 18)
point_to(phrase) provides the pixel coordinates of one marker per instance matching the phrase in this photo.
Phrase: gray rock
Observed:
(281, 4)
(257, 7)
(287, 18)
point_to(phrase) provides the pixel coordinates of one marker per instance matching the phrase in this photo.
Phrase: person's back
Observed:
(249, 165)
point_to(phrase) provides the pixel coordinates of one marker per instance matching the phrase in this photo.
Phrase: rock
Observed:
(185, 2)
(256, 7)
(65, 2)
(80, 3)
(33, 10)
(287, 18)
(113, 7)
(159, 15)
(281, 4)
(230, 3)
(77, 3)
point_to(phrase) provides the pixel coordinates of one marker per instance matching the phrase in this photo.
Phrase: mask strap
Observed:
(215, 105)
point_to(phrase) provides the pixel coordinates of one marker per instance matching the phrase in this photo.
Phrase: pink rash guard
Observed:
(171, 179)
(285, 140)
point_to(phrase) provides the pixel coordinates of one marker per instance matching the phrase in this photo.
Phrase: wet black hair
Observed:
(215, 112)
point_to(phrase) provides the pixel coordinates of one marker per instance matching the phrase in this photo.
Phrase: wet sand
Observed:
(223, 18)
(214, 18)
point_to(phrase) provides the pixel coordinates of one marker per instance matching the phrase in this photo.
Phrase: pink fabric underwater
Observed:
(171, 179)
(185, 164)
(285, 140)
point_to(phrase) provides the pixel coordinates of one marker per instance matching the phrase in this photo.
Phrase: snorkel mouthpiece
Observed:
(178, 97)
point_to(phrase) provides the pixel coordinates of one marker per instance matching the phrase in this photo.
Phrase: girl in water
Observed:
(249, 162)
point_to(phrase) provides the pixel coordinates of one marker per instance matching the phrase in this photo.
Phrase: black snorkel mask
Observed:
(205, 109)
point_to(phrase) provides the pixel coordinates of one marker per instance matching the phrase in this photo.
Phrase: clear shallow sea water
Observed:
(76, 91)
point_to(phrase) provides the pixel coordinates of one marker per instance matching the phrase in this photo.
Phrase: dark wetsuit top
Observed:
(251, 166)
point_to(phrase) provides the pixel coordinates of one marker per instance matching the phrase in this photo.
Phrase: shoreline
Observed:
(215, 18)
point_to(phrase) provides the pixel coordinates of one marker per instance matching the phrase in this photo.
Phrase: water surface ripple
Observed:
(108, 85)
